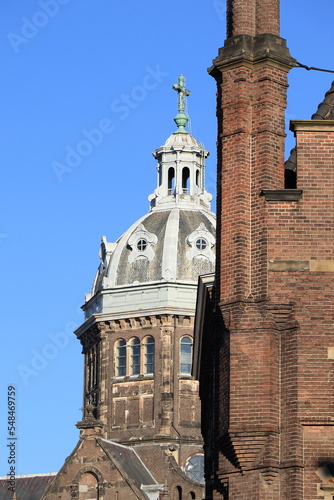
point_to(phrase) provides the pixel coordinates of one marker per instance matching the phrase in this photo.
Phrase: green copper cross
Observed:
(181, 119)
(183, 93)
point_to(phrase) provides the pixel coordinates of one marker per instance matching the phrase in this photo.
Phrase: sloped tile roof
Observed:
(326, 107)
(325, 111)
(129, 465)
(28, 487)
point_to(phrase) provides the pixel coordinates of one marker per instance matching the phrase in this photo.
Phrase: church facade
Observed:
(264, 328)
(140, 434)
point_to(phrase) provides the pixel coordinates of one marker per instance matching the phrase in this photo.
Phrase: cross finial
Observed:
(181, 119)
(180, 87)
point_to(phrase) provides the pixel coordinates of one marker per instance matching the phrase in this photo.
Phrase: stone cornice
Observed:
(89, 333)
(282, 194)
(312, 126)
(249, 51)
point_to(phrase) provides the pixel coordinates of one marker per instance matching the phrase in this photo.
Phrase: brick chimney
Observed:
(250, 71)
(265, 341)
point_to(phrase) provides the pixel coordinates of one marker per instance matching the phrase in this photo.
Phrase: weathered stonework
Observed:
(140, 430)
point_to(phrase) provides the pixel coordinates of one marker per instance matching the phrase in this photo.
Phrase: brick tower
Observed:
(265, 350)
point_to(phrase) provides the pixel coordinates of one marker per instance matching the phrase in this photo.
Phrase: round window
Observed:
(201, 244)
(142, 245)
(194, 468)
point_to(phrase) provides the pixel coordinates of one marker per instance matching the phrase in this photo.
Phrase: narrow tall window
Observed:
(185, 180)
(171, 180)
(197, 178)
(186, 348)
(134, 356)
(120, 358)
(148, 353)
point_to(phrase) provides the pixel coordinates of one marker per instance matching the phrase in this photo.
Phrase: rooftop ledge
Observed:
(312, 125)
(282, 194)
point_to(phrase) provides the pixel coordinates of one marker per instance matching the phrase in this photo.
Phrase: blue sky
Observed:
(70, 68)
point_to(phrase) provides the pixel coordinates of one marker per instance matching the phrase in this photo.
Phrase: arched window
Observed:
(185, 179)
(88, 486)
(120, 358)
(197, 178)
(171, 180)
(186, 348)
(134, 356)
(179, 492)
(148, 355)
(194, 469)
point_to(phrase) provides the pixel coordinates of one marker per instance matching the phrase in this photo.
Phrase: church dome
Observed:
(172, 244)
(165, 245)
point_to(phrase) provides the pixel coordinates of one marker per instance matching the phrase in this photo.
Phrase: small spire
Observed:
(181, 119)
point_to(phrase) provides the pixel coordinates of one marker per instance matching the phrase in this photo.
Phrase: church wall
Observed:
(88, 474)
(158, 414)
(166, 403)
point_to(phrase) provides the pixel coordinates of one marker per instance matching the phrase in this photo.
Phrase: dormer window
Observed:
(141, 244)
(201, 242)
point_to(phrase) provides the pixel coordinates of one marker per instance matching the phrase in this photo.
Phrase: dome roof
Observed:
(164, 245)
(181, 140)
(155, 264)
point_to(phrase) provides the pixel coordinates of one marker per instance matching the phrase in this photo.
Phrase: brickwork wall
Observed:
(89, 467)
(165, 467)
(252, 17)
(252, 156)
(275, 279)
(87, 458)
(303, 231)
(318, 451)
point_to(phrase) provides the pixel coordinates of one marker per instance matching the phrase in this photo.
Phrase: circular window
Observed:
(142, 245)
(194, 468)
(201, 244)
